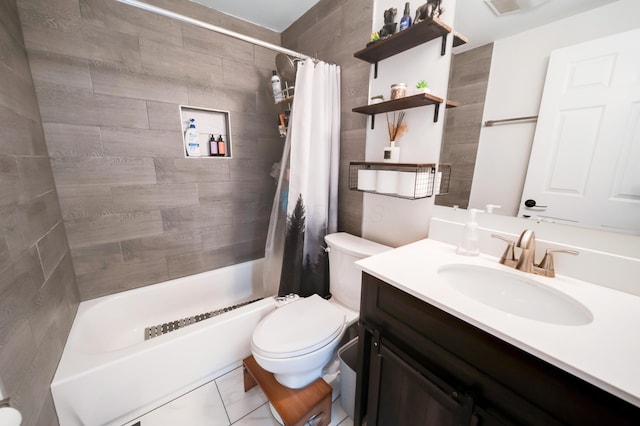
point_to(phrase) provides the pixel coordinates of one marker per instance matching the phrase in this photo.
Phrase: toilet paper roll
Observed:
(367, 180)
(387, 182)
(10, 417)
(407, 184)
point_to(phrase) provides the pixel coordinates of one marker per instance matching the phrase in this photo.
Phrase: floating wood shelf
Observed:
(421, 99)
(413, 36)
(459, 39)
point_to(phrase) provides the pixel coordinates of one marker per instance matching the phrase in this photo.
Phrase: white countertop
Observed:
(604, 352)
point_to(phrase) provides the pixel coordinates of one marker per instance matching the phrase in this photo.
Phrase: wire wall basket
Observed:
(401, 180)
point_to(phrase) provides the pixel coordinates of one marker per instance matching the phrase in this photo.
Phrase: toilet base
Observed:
(301, 404)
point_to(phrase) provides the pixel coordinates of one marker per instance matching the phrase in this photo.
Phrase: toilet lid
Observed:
(298, 328)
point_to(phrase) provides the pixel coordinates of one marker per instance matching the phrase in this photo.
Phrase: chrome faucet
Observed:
(526, 262)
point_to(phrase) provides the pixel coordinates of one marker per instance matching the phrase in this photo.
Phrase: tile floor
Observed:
(223, 402)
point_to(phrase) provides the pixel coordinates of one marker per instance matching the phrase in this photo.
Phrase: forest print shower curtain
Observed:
(308, 186)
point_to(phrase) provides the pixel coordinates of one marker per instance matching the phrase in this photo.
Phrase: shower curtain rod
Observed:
(257, 42)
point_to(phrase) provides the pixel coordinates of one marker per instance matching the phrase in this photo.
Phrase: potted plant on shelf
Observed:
(421, 87)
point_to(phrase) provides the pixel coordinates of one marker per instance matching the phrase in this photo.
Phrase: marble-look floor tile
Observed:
(200, 407)
(237, 402)
(259, 417)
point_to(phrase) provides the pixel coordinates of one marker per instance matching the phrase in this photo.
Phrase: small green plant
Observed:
(421, 84)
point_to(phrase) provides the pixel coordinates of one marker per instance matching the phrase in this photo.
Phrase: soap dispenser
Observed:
(469, 244)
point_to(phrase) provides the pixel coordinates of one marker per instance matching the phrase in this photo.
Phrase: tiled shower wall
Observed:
(109, 80)
(333, 30)
(38, 294)
(467, 85)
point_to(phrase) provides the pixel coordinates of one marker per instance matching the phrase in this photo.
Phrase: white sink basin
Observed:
(515, 294)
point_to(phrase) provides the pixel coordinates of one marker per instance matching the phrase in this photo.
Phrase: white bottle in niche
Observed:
(191, 139)
(277, 87)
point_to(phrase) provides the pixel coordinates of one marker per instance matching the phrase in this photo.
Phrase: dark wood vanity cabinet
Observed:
(418, 365)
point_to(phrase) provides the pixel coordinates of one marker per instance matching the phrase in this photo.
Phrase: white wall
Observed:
(395, 221)
(516, 81)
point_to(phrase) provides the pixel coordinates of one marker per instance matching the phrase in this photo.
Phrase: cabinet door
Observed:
(402, 392)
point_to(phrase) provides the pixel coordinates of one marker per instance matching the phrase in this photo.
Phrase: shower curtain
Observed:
(305, 206)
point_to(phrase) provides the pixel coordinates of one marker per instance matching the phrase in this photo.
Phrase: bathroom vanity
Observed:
(430, 354)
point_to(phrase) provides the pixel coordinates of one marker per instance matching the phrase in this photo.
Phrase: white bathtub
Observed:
(109, 374)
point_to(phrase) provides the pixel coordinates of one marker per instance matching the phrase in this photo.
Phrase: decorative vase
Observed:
(391, 153)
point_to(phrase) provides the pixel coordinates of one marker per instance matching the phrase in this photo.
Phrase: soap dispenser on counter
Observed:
(469, 244)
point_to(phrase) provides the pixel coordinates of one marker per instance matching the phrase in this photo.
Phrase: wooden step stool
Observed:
(295, 406)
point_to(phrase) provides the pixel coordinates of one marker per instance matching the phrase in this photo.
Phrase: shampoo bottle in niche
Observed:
(222, 147)
(405, 21)
(191, 139)
(213, 146)
(276, 86)
(469, 244)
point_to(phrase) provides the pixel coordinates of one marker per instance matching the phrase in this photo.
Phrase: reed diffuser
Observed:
(392, 152)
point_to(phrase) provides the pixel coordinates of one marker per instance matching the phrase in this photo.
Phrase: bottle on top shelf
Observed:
(405, 21)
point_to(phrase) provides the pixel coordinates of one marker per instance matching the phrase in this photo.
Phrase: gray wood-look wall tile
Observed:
(120, 277)
(32, 238)
(191, 170)
(250, 169)
(71, 140)
(160, 247)
(96, 257)
(18, 95)
(9, 21)
(52, 247)
(132, 198)
(56, 69)
(84, 108)
(178, 62)
(11, 241)
(16, 127)
(38, 215)
(129, 20)
(9, 181)
(112, 228)
(116, 80)
(14, 56)
(122, 142)
(202, 40)
(103, 171)
(83, 201)
(236, 192)
(197, 218)
(116, 111)
(224, 98)
(35, 177)
(467, 83)
(164, 116)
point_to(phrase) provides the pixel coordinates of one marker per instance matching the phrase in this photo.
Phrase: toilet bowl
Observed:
(298, 339)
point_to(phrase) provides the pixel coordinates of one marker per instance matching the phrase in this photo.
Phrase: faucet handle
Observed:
(546, 267)
(508, 257)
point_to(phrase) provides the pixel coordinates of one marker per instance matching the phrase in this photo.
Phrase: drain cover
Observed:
(168, 327)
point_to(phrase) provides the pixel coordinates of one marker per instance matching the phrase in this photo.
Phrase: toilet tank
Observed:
(344, 277)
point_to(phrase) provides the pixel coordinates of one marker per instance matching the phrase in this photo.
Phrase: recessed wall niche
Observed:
(208, 123)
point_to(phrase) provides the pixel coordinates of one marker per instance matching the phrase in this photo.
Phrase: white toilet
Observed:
(297, 340)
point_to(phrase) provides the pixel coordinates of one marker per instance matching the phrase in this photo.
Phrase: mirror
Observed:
(513, 89)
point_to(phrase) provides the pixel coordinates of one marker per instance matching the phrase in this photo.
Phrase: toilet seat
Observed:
(299, 328)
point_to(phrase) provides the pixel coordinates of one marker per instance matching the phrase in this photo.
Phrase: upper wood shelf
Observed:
(413, 36)
(407, 102)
